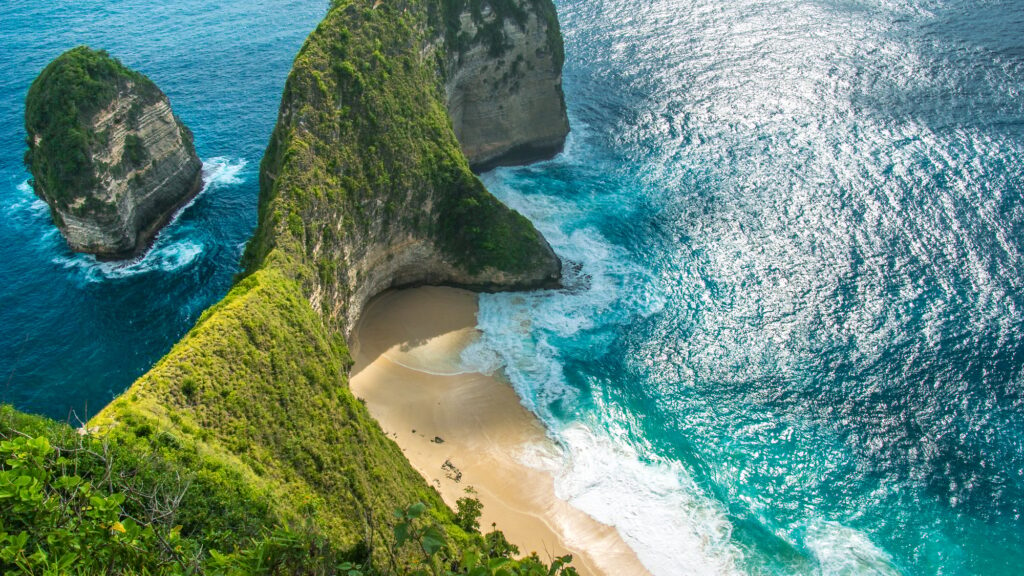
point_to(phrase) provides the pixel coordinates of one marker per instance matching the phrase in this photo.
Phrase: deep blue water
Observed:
(792, 338)
(75, 332)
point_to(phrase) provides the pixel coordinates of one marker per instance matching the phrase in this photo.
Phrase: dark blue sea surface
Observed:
(792, 338)
(75, 332)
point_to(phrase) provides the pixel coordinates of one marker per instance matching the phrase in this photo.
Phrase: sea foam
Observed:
(173, 249)
(604, 467)
(656, 507)
(25, 205)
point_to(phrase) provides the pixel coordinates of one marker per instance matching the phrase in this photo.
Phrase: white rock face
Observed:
(146, 168)
(507, 109)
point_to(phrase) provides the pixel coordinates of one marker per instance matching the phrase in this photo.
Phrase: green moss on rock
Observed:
(60, 104)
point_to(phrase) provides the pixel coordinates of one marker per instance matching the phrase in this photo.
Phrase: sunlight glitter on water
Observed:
(832, 236)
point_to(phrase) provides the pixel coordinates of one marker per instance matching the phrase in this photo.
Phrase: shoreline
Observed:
(467, 429)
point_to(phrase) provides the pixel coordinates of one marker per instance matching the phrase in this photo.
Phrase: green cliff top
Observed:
(364, 152)
(58, 109)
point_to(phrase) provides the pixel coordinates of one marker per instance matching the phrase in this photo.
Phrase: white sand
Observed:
(407, 349)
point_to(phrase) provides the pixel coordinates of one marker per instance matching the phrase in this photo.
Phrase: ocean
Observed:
(790, 340)
(77, 332)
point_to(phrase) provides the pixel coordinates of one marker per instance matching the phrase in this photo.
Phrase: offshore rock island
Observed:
(248, 424)
(106, 153)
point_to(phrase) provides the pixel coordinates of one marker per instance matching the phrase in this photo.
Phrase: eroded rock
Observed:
(106, 153)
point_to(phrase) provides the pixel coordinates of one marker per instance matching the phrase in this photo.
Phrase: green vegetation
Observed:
(75, 504)
(257, 392)
(59, 106)
(72, 504)
(243, 451)
(363, 144)
(467, 513)
(135, 153)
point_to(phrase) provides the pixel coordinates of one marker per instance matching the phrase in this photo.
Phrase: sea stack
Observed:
(106, 153)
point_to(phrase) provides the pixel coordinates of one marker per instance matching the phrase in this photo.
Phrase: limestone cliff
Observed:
(363, 187)
(106, 153)
(504, 81)
(364, 181)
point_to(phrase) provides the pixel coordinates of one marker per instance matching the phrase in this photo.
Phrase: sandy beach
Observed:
(465, 430)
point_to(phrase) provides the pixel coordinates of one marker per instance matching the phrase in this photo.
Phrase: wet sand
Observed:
(462, 430)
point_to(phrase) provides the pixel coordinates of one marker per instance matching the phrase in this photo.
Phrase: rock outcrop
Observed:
(106, 153)
(364, 176)
(504, 82)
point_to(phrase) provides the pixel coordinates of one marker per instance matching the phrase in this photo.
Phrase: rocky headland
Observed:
(503, 82)
(249, 421)
(365, 179)
(106, 153)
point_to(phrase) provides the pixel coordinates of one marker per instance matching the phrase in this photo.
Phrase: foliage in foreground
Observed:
(74, 504)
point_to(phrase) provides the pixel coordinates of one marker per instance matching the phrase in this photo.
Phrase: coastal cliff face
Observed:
(364, 181)
(106, 153)
(363, 188)
(504, 81)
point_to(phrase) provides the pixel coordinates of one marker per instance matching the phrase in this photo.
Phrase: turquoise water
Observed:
(791, 338)
(794, 344)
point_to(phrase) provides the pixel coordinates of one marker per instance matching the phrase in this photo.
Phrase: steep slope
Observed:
(363, 188)
(504, 80)
(106, 153)
(258, 389)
